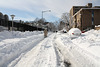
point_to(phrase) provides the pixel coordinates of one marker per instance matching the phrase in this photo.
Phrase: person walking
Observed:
(45, 33)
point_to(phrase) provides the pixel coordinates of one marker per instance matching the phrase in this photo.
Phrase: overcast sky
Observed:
(28, 10)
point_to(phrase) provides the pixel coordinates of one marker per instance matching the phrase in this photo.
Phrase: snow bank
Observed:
(3, 28)
(14, 44)
(17, 34)
(83, 51)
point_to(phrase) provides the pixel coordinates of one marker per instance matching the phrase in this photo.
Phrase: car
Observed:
(74, 32)
(64, 30)
(86, 30)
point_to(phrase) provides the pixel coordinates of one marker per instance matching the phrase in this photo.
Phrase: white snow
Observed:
(3, 28)
(83, 51)
(16, 43)
(43, 55)
(31, 49)
(75, 31)
(97, 26)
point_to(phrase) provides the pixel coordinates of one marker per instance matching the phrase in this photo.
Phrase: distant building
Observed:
(84, 17)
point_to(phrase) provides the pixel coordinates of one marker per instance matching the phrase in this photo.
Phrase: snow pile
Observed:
(74, 30)
(17, 34)
(3, 28)
(5, 35)
(83, 51)
(90, 43)
(97, 26)
(12, 45)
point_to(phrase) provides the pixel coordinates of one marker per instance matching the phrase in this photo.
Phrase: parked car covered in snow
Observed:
(74, 32)
(64, 30)
(86, 30)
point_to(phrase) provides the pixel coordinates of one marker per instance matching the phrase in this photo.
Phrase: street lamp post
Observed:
(12, 16)
(44, 12)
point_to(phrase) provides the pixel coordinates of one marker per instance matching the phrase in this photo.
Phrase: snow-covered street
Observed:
(43, 55)
(31, 49)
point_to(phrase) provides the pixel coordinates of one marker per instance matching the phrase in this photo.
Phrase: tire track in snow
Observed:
(73, 53)
(34, 41)
(60, 57)
(43, 55)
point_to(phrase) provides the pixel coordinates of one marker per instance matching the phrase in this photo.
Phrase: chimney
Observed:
(89, 5)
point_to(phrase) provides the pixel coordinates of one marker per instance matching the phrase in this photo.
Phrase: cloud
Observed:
(24, 19)
(16, 4)
(27, 17)
(35, 7)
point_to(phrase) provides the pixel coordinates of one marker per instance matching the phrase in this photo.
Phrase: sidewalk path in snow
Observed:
(43, 55)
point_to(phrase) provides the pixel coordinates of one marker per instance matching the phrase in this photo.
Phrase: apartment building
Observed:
(84, 17)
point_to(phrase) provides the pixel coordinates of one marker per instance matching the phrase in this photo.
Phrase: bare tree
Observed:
(61, 25)
(66, 19)
(36, 20)
(51, 26)
(42, 20)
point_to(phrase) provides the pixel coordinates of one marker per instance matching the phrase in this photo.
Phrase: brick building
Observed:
(84, 17)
